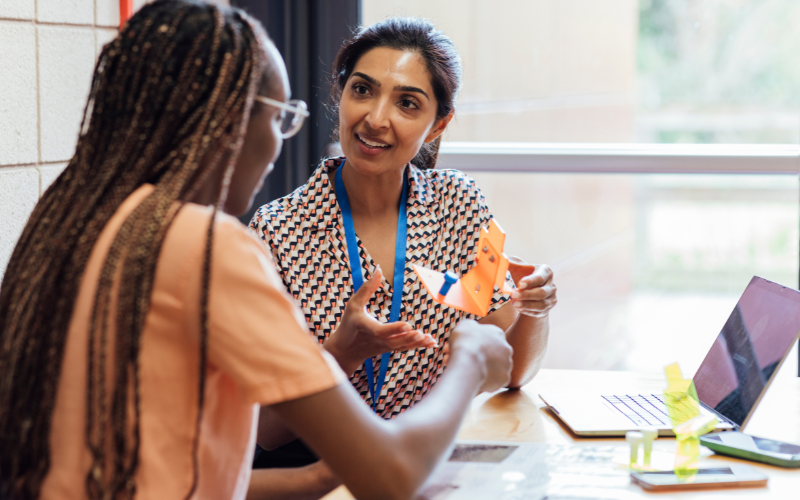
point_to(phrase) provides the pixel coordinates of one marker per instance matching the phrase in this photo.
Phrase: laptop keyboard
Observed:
(642, 409)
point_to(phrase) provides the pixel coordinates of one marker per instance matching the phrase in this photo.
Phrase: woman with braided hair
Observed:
(141, 326)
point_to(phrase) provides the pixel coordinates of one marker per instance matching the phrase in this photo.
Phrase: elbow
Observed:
(520, 379)
(401, 484)
(404, 486)
(516, 385)
(268, 446)
(397, 480)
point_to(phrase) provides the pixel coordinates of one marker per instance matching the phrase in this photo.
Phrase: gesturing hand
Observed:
(536, 292)
(361, 336)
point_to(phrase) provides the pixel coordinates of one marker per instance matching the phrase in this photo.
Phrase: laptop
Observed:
(730, 382)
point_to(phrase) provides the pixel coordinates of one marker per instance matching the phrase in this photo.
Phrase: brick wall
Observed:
(47, 53)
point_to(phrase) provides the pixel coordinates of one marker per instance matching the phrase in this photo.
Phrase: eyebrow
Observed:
(403, 88)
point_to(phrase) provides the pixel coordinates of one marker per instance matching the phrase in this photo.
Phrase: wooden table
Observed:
(521, 416)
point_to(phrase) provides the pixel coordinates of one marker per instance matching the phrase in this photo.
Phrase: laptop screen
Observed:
(755, 339)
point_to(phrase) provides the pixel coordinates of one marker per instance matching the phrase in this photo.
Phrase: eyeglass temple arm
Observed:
(283, 105)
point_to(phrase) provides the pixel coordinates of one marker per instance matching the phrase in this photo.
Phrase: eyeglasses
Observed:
(292, 114)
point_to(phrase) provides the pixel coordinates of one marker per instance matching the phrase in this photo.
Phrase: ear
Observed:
(439, 127)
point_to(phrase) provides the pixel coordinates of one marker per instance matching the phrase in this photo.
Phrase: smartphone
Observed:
(736, 444)
(723, 477)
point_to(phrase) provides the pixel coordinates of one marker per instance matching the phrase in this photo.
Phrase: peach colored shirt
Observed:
(258, 354)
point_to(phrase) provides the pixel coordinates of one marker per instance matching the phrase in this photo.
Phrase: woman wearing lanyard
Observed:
(351, 234)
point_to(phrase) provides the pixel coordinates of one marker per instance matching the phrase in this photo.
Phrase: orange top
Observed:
(258, 354)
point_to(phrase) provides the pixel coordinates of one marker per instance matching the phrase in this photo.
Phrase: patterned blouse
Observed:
(304, 231)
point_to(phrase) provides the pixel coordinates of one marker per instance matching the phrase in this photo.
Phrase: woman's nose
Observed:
(378, 116)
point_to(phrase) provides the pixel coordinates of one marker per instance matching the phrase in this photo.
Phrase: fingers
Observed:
(540, 276)
(361, 298)
(519, 268)
(544, 292)
(427, 343)
(536, 294)
(388, 330)
(411, 340)
(537, 308)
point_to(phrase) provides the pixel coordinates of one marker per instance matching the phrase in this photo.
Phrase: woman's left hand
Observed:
(536, 292)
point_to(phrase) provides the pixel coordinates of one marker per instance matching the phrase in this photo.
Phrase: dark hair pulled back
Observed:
(407, 34)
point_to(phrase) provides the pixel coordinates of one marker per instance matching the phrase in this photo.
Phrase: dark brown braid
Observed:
(169, 105)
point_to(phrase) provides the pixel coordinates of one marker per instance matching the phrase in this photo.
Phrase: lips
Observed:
(371, 142)
(370, 146)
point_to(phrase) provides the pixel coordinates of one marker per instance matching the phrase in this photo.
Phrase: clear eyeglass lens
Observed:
(293, 122)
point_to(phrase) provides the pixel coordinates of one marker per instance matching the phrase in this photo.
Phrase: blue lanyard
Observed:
(358, 278)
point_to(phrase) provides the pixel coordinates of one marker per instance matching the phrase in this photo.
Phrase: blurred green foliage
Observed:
(731, 58)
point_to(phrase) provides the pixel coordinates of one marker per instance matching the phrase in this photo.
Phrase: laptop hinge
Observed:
(720, 416)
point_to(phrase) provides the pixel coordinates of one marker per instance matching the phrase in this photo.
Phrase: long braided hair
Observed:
(169, 105)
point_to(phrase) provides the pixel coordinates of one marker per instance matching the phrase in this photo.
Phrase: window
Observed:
(652, 71)
(646, 150)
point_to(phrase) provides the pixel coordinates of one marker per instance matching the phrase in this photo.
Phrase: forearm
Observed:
(386, 459)
(311, 482)
(528, 336)
(435, 421)
(349, 366)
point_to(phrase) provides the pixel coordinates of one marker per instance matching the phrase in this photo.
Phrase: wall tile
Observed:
(102, 37)
(107, 12)
(47, 174)
(66, 64)
(138, 4)
(18, 132)
(65, 11)
(17, 9)
(19, 191)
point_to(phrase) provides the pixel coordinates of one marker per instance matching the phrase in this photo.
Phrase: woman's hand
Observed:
(361, 336)
(536, 292)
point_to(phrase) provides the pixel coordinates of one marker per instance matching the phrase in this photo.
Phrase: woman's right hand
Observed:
(361, 336)
(488, 346)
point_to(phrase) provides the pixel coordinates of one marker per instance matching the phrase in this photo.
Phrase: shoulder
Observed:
(449, 183)
(229, 232)
(299, 207)
(451, 188)
(277, 211)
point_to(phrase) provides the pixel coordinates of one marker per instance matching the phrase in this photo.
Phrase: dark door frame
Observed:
(308, 34)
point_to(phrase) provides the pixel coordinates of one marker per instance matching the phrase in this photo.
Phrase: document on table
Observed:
(530, 471)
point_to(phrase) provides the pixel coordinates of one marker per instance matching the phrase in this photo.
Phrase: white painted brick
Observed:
(19, 191)
(47, 174)
(138, 4)
(17, 9)
(107, 12)
(102, 37)
(66, 64)
(18, 133)
(65, 11)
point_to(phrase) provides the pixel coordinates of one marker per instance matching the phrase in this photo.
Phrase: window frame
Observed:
(616, 158)
(608, 158)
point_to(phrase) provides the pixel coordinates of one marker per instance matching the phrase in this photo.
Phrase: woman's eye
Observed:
(360, 89)
(408, 104)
